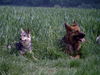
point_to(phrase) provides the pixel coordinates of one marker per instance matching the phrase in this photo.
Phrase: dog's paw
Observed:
(30, 51)
(22, 52)
(75, 57)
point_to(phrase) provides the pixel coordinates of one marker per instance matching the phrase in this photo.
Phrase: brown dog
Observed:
(73, 39)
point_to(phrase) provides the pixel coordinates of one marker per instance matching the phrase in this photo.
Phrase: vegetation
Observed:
(51, 3)
(47, 29)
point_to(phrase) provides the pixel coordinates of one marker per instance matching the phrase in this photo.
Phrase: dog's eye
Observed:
(73, 31)
(24, 35)
(77, 31)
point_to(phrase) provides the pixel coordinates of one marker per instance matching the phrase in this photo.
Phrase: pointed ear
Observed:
(22, 30)
(75, 23)
(66, 25)
(28, 31)
(68, 28)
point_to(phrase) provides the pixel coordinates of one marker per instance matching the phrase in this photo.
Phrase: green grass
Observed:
(47, 28)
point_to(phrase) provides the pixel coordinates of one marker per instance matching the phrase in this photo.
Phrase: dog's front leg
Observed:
(69, 49)
(77, 47)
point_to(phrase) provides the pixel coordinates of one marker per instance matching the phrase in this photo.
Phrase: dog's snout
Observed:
(82, 35)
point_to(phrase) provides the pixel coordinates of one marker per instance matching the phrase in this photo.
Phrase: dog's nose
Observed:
(82, 35)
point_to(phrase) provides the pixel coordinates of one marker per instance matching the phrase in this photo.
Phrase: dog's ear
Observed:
(68, 28)
(75, 23)
(66, 25)
(28, 30)
(22, 30)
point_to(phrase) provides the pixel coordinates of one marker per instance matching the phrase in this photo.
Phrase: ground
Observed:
(47, 29)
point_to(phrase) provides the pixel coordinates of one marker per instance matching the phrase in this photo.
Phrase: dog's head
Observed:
(25, 35)
(74, 33)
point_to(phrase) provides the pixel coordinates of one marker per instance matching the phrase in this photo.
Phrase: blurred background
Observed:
(53, 3)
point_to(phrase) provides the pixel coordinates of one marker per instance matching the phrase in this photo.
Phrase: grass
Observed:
(46, 25)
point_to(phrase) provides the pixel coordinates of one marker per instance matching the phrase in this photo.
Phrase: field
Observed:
(47, 29)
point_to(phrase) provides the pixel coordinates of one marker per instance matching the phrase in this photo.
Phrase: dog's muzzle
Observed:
(79, 37)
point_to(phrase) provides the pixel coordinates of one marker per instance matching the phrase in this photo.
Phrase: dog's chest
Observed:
(24, 46)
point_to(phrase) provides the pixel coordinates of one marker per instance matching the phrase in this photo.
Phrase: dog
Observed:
(73, 39)
(24, 44)
(98, 40)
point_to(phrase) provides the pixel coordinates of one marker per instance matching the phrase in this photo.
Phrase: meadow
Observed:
(47, 29)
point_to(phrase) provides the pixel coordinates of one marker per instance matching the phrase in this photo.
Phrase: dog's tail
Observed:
(11, 45)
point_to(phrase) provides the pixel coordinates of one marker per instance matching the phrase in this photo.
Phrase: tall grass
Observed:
(47, 29)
